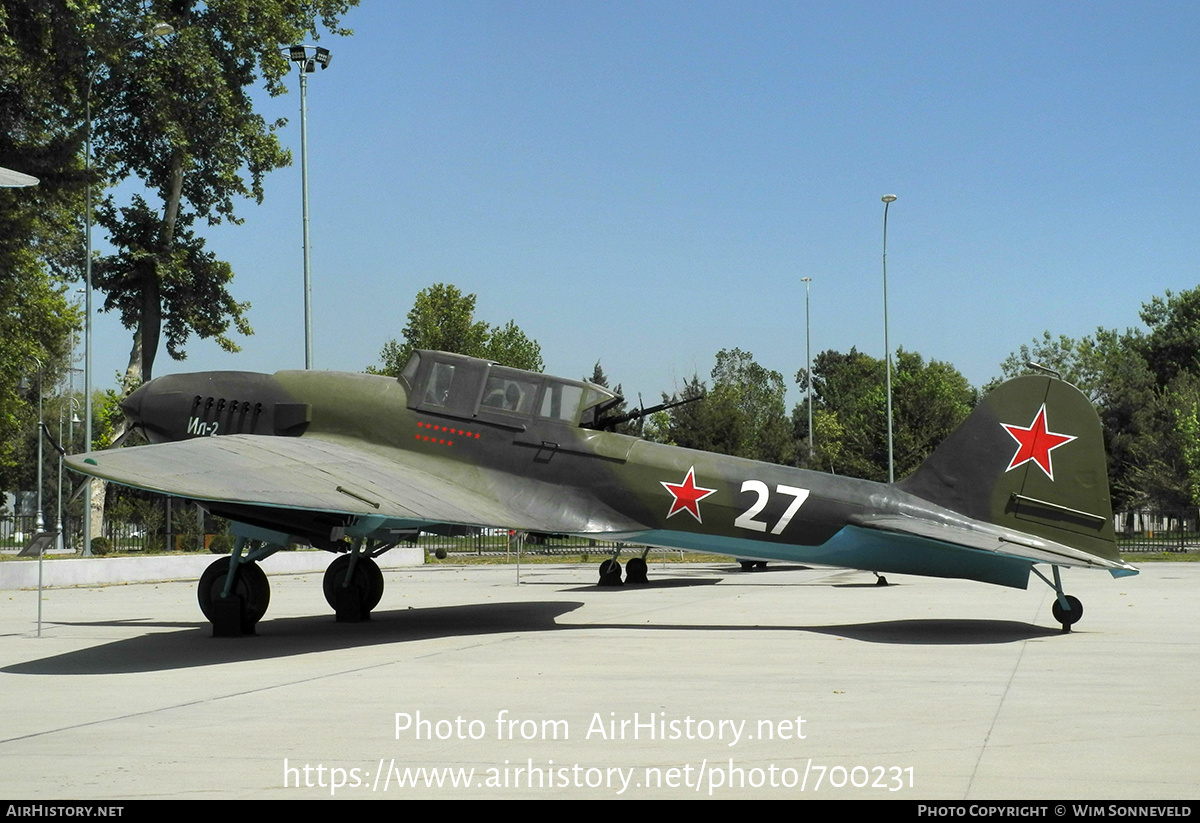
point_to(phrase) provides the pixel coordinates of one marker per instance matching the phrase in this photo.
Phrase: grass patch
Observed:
(1158, 557)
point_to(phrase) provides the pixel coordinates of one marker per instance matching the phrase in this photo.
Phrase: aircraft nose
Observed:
(158, 408)
(132, 405)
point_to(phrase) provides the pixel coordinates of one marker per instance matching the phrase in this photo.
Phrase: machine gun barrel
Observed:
(611, 422)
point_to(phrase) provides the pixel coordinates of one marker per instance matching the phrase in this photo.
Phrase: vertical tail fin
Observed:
(1030, 457)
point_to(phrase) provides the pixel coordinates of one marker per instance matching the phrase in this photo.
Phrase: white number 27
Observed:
(746, 519)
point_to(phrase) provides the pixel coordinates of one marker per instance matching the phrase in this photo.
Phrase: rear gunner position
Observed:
(353, 463)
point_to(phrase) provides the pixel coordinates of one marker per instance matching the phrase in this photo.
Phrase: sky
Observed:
(646, 183)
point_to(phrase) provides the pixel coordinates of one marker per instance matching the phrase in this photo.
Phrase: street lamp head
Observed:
(160, 30)
(298, 54)
(889, 198)
(805, 279)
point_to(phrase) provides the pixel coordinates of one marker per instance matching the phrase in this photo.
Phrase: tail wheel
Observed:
(1067, 618)
(251, 586)
(367, 579)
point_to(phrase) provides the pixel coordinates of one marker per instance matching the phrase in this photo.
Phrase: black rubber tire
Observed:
(610, 573)
(251, 586)
(1067, 618)
(636, 571)
(368, 580)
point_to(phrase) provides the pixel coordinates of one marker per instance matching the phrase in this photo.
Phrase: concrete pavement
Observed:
(709, 681)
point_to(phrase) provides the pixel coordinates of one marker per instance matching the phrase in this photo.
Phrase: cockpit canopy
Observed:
(469, 388)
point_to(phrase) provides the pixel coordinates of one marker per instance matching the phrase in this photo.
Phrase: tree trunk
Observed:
(149, 331)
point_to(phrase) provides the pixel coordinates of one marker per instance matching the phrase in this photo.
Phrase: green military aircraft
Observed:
(353, 463)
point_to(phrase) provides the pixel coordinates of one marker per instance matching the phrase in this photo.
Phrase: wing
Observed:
(313, 474)
(996, 539)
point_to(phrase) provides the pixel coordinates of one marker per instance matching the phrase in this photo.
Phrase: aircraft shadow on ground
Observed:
(193, 646)
(285, 637)
(661, 583)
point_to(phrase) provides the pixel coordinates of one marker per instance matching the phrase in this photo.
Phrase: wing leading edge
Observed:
(315, 474)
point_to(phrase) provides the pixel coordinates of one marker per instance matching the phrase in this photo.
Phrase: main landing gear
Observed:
(234, 593)
(636, 570)
(1067, 610)
(353, 585)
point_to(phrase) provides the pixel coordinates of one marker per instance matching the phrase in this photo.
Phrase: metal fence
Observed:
(169, 529)
(16, 530)
(498, 542)
(1152, 530)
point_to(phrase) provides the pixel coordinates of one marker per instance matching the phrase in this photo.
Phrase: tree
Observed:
(929, 400)
(175, 117)
(443, 319)
(1171, 347)
(750, 397)
(39, 231)
(688, 425)
(178, 117)
(742, 415)
(630, 427)
(1110, 367)
(509, 346)
(849, 389)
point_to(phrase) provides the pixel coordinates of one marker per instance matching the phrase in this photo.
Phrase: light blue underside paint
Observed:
(868, 549)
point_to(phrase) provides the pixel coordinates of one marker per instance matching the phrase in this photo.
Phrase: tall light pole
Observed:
(299, 55)
(807, 281)
(157, 30)
(62, 409)
(888, 199)
(39, 520)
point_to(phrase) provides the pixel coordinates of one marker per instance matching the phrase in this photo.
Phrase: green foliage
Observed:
(630, 427)
(850, 406)
(36, 324)
(40, 49)
(688, 425)
(750, 398)
(929, 400)
(188, 284)
(829, 437)
(743, 415)
(173, 113)
(1146, 386)
(443, 319)
(509, 346)
(1170, 349)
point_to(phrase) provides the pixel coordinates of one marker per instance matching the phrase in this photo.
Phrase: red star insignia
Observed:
(1035, 443)
(687, 495)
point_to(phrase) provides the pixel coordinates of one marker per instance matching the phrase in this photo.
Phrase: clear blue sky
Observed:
(645, 183)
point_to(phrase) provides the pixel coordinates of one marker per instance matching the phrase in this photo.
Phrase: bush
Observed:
(101, 546)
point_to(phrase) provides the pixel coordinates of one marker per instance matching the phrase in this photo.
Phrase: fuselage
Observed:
(524, 439)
